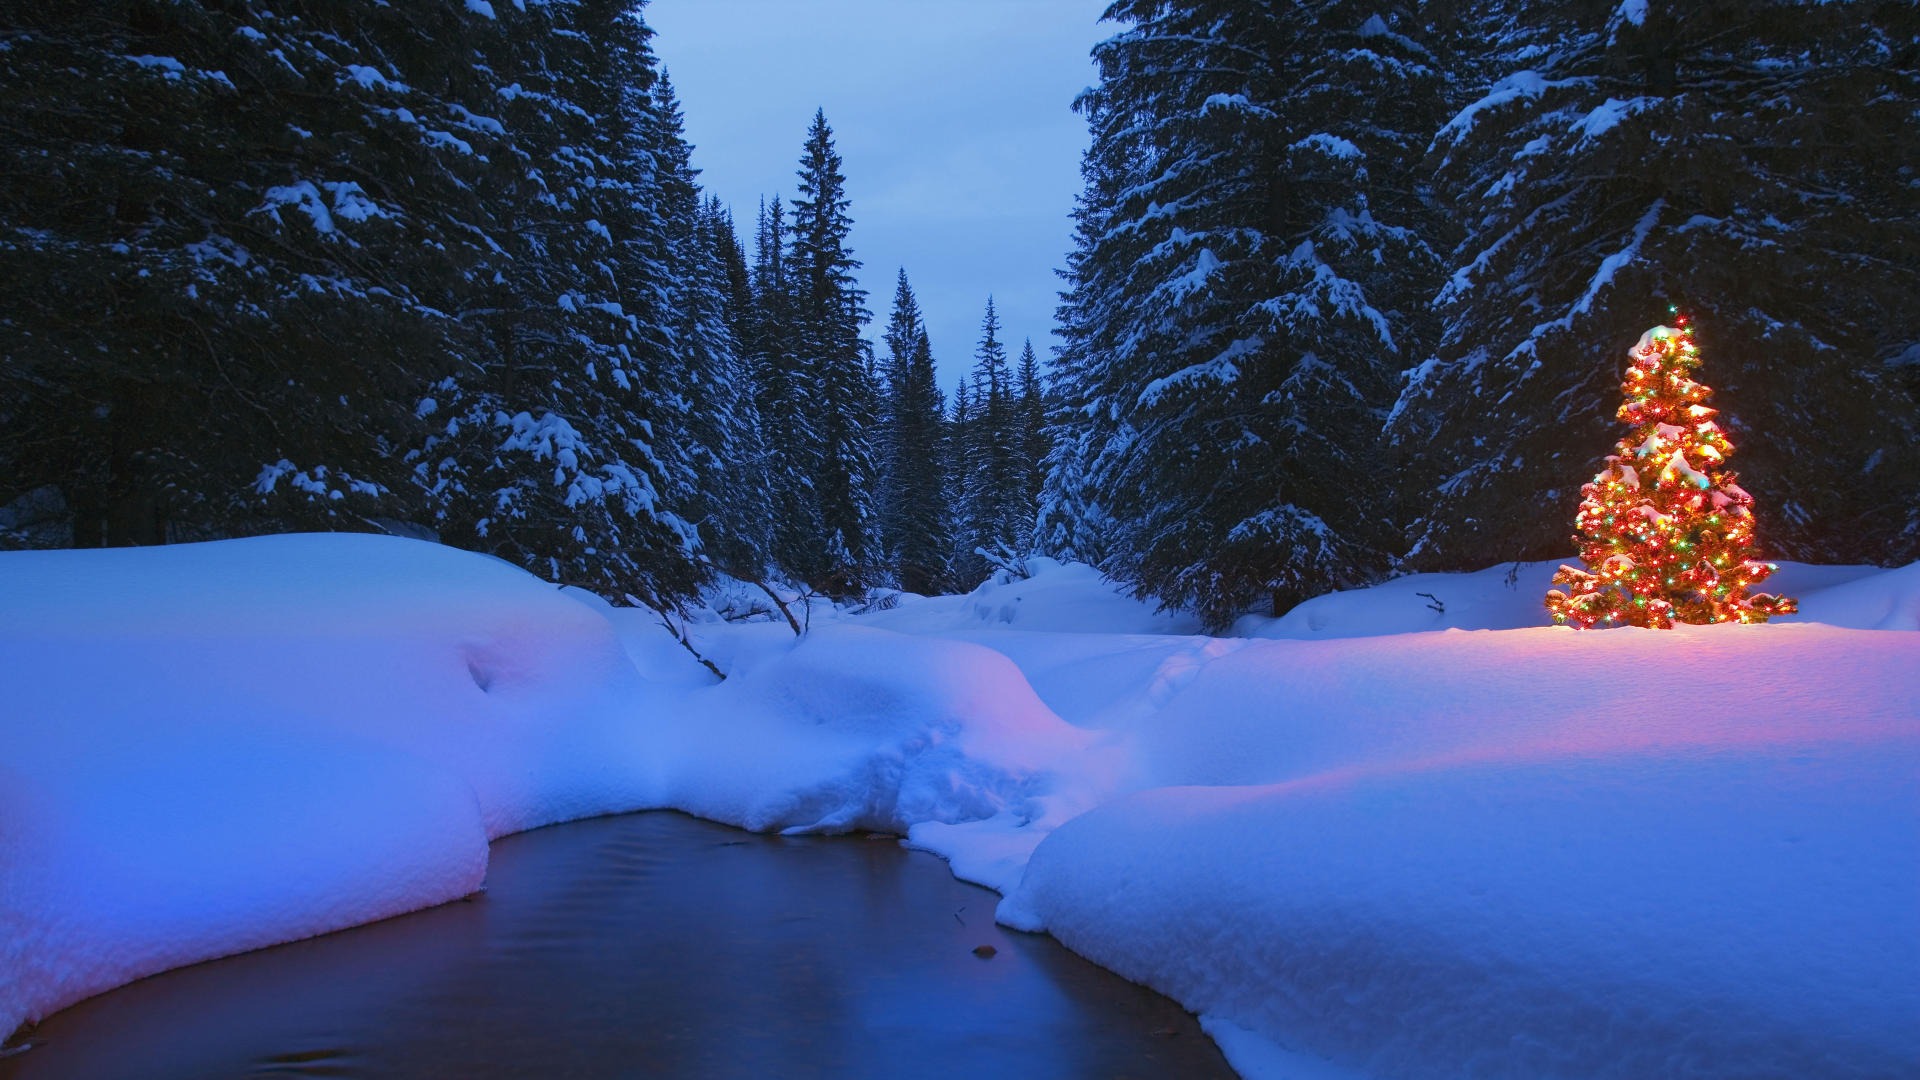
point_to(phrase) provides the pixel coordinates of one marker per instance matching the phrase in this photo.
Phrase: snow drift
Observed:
(1531, 853)
(1357, 848)
(210, 748)
(214, 747)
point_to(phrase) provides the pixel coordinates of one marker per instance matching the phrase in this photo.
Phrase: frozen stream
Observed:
(648, 944)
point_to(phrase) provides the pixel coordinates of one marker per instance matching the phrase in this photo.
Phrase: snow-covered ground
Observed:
(1357, 848)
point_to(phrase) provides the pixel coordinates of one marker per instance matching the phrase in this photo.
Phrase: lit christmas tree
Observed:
(1664, 530)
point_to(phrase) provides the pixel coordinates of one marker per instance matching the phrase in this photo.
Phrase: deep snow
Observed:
(1356, 848)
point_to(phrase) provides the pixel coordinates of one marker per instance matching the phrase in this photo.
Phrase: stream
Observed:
(648, 944)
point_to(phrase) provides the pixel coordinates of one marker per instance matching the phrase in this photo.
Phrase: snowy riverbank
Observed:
(1356, 848)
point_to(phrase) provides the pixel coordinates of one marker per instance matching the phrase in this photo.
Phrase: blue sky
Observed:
(954, 120)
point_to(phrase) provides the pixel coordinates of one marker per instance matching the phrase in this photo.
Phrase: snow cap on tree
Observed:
(1664, 530)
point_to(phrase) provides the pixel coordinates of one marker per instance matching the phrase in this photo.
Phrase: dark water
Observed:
(649, 945)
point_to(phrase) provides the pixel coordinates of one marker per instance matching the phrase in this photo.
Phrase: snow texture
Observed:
(1357, 848)
(215, 747)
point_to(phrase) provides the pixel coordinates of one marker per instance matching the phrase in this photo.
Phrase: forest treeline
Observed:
(1350, 290)
(447, 269)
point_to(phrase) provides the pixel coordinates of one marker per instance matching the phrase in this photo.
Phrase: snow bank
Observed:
(1719, 915)
(1871, 600)
(1071, 597)
(1509, 597)
(1357, 849)
(856, 728)
(1395, 853)
(1479, 853)
(209, 748)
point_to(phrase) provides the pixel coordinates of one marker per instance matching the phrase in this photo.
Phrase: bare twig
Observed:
(680, 635)
(784, 610)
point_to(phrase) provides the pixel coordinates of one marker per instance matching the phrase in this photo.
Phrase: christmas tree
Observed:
(1664, 530)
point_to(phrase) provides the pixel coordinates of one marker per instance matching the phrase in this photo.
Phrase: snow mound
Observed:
(1511, 597)
(214, 747)
(211, 748)
(1719, 915)
(857, 728)
(1487, 854)
(1057, 597)
(1877, 600)
(1504, 849)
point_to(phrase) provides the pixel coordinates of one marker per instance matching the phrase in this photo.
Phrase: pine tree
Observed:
(994, 482)
(835, 371)
(914, 511)
(1664, 530)
(959, 454)
(553, 455)
(714, 423)
(739, 275)
(211, 210)
(1071, 524)
(1251, 262)
(925, 538)
(904, 330)
(1033, 444)
(414, 260)
(783, 401)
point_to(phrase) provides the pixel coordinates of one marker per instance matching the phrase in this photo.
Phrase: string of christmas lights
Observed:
(1665, 531)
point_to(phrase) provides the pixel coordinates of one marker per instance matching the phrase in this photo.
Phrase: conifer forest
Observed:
(1350, 293)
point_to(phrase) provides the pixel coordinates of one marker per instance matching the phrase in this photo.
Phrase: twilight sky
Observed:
(954, 122)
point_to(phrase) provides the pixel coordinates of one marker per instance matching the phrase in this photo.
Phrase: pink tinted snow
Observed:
(1526, 853)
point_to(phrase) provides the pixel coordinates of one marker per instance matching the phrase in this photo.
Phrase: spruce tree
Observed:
(557, 453)
(713, 422)
(914, 510)
(1251, 270)
(783, 401)
(924, 541)
(1071, 524)
(1033, 443)
(958, 448)
(212, 210)
(905, 328)
(833, 368)
(739, 274)
(994, 482)
(416, 261)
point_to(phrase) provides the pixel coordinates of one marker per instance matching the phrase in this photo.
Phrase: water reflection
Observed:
(648, 944)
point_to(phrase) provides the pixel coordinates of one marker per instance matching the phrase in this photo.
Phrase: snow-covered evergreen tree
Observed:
(925, 539)
(833, 369)
(1070, 523)
(559, 449)
(713, 422)
(905, 326)
(957, 451)
(219, 211)
(415, 261)
(1032, 406)
(992, 488)
(1242, 296)
(784, 400)
(914, 510)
